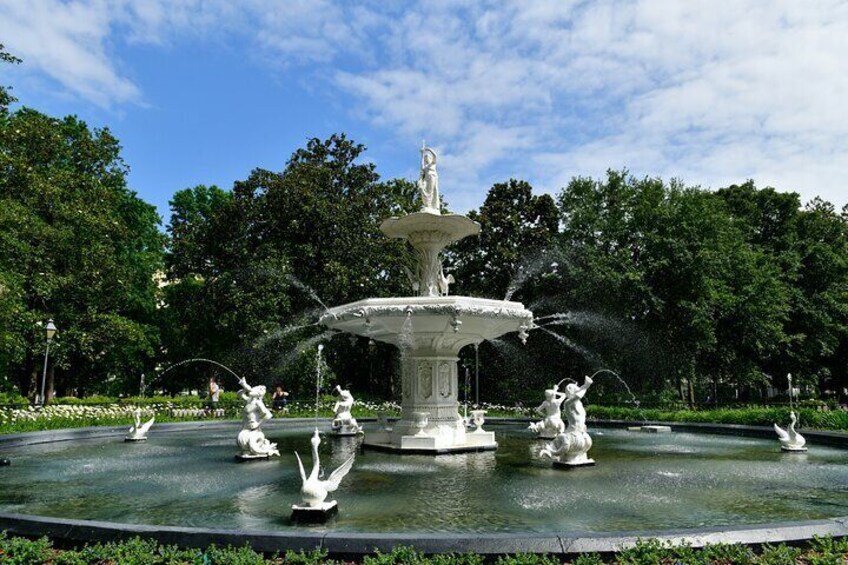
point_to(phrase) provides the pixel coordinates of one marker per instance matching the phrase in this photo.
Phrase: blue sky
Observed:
(202, 92)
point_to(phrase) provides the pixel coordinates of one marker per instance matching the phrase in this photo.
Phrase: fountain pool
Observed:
(186, 476)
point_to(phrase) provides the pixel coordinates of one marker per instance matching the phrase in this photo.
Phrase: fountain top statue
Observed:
(428, 182)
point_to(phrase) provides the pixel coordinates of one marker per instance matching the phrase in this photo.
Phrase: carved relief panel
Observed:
(445, 379)
(425, 379)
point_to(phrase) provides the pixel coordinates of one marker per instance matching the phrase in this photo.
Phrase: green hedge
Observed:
(21, 551)
(809, 418)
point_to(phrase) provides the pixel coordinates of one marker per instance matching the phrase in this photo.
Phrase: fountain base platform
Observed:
(345, 434)
(314, 514)
(242, 458)
(427, 445)
(564, 465)
(793, 449)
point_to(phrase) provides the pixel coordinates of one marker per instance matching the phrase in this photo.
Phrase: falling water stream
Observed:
(194, 360)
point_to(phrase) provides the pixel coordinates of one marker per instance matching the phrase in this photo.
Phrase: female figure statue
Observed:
(428, 183)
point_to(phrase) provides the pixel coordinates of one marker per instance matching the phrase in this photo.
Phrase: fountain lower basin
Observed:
(430, 331)
(183, 486)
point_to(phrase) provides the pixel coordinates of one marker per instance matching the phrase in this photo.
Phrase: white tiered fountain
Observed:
(430, 329)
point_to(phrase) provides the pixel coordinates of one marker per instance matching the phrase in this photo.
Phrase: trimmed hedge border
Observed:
(358, 544)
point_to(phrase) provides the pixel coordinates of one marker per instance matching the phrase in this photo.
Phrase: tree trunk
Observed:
(691, 393)
(34, 376)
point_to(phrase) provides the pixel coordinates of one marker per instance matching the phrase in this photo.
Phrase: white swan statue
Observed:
(790, 440)
(138, 431)
(314, 490)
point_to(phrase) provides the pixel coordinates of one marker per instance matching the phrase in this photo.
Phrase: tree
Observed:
(260, 261)
(668, 265)
(76, 245)
(808, 248)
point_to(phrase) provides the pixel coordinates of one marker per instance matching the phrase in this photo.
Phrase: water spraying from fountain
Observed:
(406, 338)
(306, 289)
(541, 261)
(566, 379)
(318, 361)
(303, 346)
(570, 344)
(195, 360)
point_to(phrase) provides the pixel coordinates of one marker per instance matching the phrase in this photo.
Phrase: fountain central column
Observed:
(429, 387)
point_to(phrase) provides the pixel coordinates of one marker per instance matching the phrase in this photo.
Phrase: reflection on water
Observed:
(642, 481)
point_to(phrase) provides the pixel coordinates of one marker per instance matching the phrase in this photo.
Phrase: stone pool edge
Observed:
(66, 530)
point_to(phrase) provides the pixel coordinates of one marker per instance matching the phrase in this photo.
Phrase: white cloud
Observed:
(712, 92)
(67, 42)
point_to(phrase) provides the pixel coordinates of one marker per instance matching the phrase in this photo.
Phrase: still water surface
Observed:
(641, 482)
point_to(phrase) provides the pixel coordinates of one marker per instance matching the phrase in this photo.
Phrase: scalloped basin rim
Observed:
(397, 306)
(452, 321)
(456, 226)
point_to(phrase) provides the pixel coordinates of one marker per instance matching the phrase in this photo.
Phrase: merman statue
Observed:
(551, 424)
(344, 424)
(569, 448)
(251, 440)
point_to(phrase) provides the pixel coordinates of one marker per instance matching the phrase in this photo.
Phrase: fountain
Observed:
(430, 329)
(790, 440)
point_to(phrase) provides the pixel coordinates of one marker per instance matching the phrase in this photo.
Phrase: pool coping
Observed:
(66, 530)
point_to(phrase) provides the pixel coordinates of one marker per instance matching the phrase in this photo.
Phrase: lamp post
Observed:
(51, 331)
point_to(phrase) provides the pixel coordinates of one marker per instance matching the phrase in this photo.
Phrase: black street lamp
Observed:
(51, 331)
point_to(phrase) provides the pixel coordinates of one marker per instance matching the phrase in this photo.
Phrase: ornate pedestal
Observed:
(430, 331)
(429, 386)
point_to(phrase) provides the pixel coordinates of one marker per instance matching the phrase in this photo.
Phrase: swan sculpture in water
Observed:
(790, 440)
(138, 431)
(315, 490)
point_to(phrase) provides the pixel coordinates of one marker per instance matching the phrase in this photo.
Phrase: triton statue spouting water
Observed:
(430, 328)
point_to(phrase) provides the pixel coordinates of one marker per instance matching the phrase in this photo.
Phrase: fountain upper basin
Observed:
(443, 322)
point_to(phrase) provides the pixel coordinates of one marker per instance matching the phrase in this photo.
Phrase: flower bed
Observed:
(56, 416)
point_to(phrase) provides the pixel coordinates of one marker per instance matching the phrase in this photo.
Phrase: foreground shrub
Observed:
(21, 551)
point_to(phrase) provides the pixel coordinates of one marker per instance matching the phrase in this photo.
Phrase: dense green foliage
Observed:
(245, 264)
(688, 294)
(21, 551)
